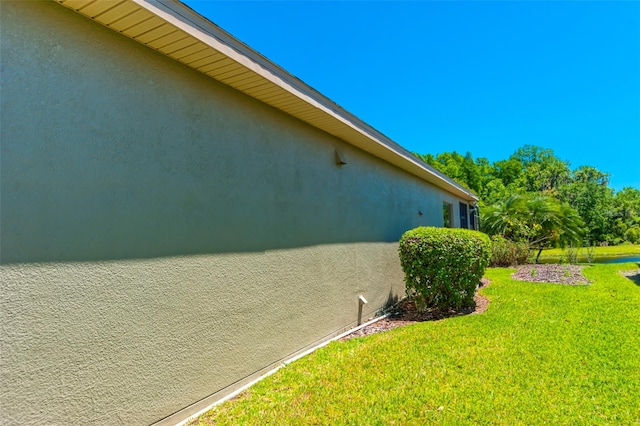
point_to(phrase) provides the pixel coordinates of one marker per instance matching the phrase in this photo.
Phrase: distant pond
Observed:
(601, 260)
(621, 259)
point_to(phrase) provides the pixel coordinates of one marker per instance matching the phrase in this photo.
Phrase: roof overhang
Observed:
(175, 30)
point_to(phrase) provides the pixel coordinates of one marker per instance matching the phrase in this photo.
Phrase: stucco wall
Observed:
(165, 237)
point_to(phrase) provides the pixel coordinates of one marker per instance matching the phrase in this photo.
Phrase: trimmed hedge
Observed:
(443, 266)
(507, 253)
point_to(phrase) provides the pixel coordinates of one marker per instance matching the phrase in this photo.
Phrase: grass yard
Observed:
(541, 354)
(601, 253)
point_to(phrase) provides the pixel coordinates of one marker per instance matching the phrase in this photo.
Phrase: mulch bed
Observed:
(405, 312)
(551, 273)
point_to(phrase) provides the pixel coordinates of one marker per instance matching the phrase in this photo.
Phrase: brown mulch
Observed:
(406, 313)
(551, 273)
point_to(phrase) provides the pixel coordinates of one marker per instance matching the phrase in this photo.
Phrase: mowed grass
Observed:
(541, 354)
(600, 253)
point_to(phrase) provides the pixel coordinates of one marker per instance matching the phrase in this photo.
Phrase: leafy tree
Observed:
(493, 192)
(626, 215)
(531, 154)
(459, 168)
(508, 171)
(471, 173)
(542, 170)
(532, 170)
(538, 220)
(589, 194)
(588, 174)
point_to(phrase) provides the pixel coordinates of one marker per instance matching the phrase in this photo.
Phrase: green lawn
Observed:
(601, 253)
(541, 354)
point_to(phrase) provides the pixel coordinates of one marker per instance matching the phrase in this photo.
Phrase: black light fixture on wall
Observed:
(340, 161)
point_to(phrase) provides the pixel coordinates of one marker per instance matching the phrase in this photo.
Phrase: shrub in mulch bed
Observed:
(442, 266)
(406, 313)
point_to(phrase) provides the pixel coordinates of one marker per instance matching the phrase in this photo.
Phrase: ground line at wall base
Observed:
(278, 367)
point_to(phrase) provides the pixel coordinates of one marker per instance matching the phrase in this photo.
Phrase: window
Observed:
(473, 218)
(464, 217)
(447, 214)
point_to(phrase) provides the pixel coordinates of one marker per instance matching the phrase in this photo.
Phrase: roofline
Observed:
(283, 90)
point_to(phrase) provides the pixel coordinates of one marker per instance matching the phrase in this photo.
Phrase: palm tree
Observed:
(540, 221)
(505, 218)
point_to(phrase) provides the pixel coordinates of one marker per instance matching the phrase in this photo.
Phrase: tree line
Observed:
(533, 180)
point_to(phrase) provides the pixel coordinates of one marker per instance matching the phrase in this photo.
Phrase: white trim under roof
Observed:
(172, 28)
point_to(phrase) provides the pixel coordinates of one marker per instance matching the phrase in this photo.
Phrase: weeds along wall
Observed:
(166, 238)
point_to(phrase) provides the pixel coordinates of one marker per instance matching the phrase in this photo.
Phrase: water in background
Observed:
(621, 259)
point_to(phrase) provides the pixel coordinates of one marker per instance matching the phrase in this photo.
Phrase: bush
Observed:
(443, 266)
(507, 253)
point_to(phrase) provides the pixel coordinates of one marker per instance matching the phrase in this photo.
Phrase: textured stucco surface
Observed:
(131, 341)
(164, 236)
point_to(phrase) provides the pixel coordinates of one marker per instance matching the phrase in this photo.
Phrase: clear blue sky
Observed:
(485, 77)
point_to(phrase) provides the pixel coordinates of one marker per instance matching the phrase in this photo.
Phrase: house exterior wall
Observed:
(164, 237)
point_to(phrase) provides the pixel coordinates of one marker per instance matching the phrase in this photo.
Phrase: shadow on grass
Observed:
(634, 275)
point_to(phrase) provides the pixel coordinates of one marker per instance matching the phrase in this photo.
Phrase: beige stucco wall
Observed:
(164, 237)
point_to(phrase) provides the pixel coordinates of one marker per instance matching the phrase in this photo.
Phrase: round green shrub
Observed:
(443, 266)
(507, 253)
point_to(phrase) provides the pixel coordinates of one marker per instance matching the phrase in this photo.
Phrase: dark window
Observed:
(447, 214)
(472, 218)
(464, 221)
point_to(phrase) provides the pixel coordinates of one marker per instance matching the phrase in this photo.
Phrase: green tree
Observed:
(494, 191)
(508, 171)
(626, 215)
(608, 217)
(461, 169)
(589, 194)
(542, 171)
(540, 221)
(472, 174)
